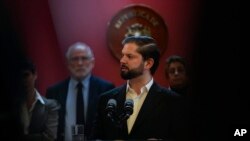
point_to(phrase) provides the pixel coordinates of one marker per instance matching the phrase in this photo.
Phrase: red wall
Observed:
(47, 28)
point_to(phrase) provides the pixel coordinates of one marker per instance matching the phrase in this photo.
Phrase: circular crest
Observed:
(136, 20)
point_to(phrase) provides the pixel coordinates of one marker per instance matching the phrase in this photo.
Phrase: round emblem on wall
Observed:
(136, 20)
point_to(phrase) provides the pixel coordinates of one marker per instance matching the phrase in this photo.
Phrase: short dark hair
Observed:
(176, 58)
(27, 64)
(147, 47)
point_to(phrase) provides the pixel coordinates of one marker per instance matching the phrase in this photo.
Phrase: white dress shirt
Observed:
(70, 114)
(138, 101)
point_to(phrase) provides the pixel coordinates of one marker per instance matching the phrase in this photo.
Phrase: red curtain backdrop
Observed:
(47, 28)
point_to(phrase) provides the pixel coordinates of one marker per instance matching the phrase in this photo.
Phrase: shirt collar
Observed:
(39, 97)
(84, 81)
(148, 85)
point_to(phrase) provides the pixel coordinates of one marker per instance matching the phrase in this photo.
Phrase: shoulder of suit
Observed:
(101, 80)
(51, 104)
(114, 91)
(60, 84)
(166, 91)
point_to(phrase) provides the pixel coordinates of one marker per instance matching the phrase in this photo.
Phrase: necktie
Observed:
(79, 105)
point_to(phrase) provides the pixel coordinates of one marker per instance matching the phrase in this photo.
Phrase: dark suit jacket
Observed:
(158, 118)
(44, 121)
(59, 92)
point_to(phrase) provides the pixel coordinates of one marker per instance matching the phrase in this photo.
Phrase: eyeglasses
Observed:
(77, 59)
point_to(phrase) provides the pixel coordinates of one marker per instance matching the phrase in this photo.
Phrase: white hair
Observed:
(79, 45)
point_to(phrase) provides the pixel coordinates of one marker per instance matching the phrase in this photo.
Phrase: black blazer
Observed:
(59, 92)
(158, 118)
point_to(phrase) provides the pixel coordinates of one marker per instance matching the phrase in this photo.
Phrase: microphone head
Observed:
(111, 105)
(128, 106)
(110, 109)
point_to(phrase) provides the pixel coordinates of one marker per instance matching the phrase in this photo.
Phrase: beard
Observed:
(133, 73)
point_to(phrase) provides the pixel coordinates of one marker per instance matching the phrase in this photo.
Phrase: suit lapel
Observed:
(92, 97)
(148, 106)
(62, 96)
(120, 97)
(64, 90)
(39, 114)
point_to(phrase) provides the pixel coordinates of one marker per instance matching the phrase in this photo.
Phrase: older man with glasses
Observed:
(79, 93)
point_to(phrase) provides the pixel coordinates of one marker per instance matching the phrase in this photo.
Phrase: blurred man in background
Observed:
(78, 109)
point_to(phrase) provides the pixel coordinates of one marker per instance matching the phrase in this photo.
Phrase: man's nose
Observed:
(122, 60)
(79, 61)
(176, 72)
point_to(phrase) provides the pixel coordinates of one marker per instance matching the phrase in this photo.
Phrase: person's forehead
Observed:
(130, 47)
(79, 50)
(176, 64)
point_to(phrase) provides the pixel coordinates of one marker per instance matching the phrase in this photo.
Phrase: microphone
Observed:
(128, 108)
(110, 109)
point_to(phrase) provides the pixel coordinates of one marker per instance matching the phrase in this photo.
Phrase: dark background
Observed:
(221, 103)
(11, 96)
(218, 103)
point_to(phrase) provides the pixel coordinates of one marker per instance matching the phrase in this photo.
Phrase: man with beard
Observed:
(78, 94)
(156, 110)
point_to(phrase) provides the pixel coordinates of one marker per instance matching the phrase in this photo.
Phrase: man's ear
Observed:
(149, 63)
(93, 62)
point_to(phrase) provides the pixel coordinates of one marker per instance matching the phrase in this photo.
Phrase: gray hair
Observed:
(79, 45)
